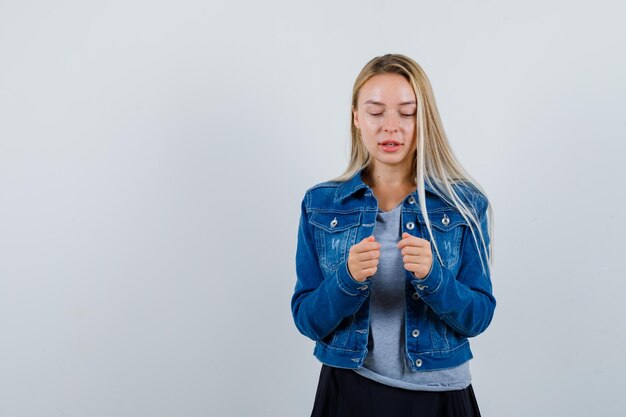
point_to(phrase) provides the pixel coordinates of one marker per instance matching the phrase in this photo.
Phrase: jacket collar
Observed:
(355, 183)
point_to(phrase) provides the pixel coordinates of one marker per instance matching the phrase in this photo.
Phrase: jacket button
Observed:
(415, 333)
(421, 287)
(418, 362)
(411, 200)
(363, 287)
(416, 296)
(334, 222)
(410, 225)
(445, 220)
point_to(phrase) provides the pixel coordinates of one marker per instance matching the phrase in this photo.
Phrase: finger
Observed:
(369, 263)
(365, 249)
(370, 271)
(416, 241)
(367, 244)
(414, 250)
(366, 240)
(420, 270)
(366, 256)
(414, 259)
(413, 241)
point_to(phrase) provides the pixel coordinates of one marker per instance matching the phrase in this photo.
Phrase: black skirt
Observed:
(344, 393)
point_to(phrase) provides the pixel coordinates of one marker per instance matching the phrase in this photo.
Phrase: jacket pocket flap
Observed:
(335, 222)
(445, 220)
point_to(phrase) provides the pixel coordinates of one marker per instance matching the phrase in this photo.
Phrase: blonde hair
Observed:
(434, 161)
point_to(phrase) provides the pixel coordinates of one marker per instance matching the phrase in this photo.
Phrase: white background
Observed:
(154, 154)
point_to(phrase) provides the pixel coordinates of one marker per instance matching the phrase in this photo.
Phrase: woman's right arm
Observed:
(320, 302)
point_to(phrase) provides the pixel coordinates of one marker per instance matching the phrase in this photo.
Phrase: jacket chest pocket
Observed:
(448, 228)
(335, 233)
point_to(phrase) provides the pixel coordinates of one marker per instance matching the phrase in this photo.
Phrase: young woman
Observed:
(393, 259)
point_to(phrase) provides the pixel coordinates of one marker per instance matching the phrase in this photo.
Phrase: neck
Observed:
(389, 178)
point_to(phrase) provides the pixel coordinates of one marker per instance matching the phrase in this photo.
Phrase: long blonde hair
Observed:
(434, 161)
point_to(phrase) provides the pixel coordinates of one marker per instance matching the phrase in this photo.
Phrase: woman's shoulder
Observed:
(471, 195)
(324, 184)
(470, 190)
(321, 194)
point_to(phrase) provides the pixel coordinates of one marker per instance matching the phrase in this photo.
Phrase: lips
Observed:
(390, 146)
(388, 142)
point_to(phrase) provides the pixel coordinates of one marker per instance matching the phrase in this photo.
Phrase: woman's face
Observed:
(385, 114)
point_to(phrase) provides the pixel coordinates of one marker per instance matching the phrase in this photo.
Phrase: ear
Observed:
(355, 117)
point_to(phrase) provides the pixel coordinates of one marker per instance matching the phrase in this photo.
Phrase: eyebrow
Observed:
(378, 103)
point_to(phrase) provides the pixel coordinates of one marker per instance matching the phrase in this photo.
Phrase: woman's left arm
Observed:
(465, 301)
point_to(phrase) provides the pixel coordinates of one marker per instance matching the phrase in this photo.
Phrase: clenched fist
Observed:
(418, 257)
(363, 258)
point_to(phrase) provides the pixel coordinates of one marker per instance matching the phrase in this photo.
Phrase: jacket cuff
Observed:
(349, 285)
(431, 282)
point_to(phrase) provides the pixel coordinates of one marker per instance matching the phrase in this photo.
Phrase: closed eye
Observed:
(401, 114)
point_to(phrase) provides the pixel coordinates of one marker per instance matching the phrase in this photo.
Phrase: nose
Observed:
(390, 123)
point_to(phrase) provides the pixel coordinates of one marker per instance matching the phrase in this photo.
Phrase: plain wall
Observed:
(154, 154)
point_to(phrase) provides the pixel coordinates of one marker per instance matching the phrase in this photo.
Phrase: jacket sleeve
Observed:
(465, 302)
(320, 302)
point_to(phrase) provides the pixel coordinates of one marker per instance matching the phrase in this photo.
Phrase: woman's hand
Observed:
(418, 257)
(363, 258)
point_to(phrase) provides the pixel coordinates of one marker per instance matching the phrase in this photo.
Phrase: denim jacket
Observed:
(451, 304)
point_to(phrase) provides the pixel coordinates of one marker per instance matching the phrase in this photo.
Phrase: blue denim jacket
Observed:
(452, 303)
